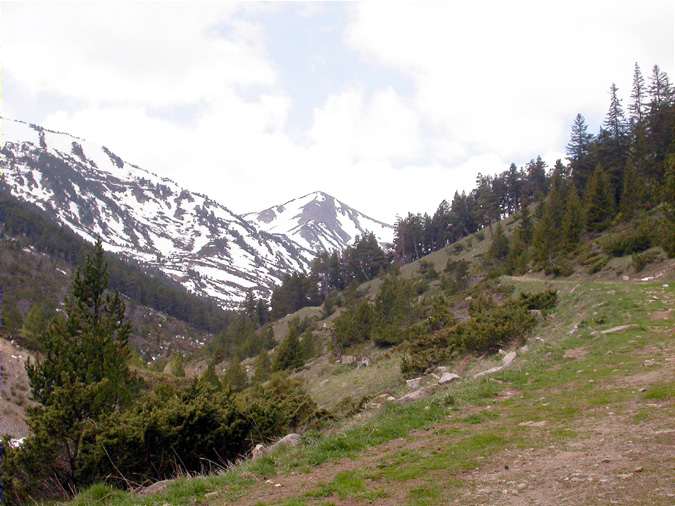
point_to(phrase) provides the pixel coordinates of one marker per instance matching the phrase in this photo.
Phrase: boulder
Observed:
(348, 359)
(441, 370)
(413, 396)
(155, 488)
(414, 383)
(508, 358)
(258, 451)
(620, 328)
(448, 377)
(492, 370)
(288, 440)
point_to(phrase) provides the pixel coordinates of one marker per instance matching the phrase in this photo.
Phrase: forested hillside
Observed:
(146, 286)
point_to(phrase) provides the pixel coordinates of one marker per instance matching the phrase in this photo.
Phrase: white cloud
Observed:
(493, 82)
(507, 77)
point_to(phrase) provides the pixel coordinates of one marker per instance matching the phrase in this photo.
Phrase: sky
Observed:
(389, 106)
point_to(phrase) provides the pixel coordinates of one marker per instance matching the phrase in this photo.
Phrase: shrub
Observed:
(456, 276)
(541, 300)
(628, 242)
(640, 260)
(480, 235)
(354, 325)
(559, 267)
(191, 431)
(490, 330)
(597, 264)
(394, 311)
(278, 407)
(427, 271)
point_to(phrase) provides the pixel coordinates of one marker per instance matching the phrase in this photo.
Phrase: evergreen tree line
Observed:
(146, 286)
(621, 169)
(330, 271)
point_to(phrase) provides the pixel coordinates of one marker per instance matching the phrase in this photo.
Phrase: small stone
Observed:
(210, 495)
(448, 377)
(643, 389)
(508, 358)
(277, 484)
(638, 469)
(414, 383)
(522, 486)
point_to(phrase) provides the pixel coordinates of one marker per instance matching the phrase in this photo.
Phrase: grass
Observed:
(435, 441)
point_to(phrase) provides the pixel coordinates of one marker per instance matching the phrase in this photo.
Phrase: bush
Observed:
(597, 264)
(628, 242)
(427, 271)
(193, 431)
(640, 260)
(560, 267)
(541, 300)
(480, 235)
(278, 407)
(456, 277)
(354, 325)
(394, 311)
(491, 327)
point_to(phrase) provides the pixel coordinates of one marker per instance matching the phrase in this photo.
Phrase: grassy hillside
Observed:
(582, 415)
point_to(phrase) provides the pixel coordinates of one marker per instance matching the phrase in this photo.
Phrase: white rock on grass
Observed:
(448, 377)
(508, 358)
(414, 383)
(413, 396)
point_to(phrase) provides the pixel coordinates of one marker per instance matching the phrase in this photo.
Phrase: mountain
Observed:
(195, 240)
(318, 221)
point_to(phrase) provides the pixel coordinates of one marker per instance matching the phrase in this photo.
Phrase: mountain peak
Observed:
(319, 222)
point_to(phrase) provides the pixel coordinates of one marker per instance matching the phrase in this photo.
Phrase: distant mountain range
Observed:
(194, 239)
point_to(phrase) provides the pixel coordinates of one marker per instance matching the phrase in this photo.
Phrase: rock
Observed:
(492, 370)
(288, 440)
(638, 469)
(413, 396)
(522, 486)
(625, 278)
(448, 377)
(348, 359)
(210, 495)
(524, 349)
(258, 451)
(537, 314)
(364, 362)
(649, 362)
(620, 328)
(414, 383)
(441, 370)
(508, 358)
(542, 423)
(155, 488)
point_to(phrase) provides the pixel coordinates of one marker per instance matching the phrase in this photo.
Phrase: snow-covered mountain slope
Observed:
(198, 241)
(317, 221)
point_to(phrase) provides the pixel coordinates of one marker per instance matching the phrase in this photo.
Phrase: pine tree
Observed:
(632, 196)
(35, 324)
(210, 378)
(544, 238)
(599, 202)
(660, 92)
(263, 368)
(83, 372)
(578, 150)
(235, 377)
(499, 249)
(637, 97)
(615, 122)
(572, 222)
(288, 354)
(525, 226)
